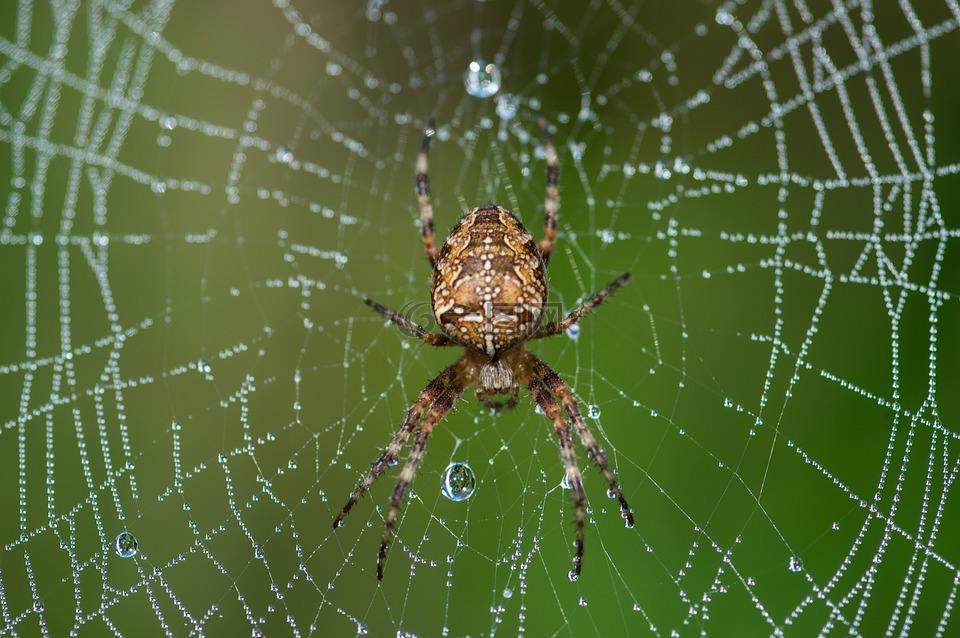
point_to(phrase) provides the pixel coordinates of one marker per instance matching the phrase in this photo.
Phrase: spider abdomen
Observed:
(489, 282)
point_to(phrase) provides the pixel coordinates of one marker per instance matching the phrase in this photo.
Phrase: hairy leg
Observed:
(409, 326)
(423, 196)
(556, 327)
(389, 454)
(557, 386)
(439, 409)
(551, 201)
(548, 404)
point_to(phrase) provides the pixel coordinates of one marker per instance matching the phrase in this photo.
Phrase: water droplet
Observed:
(126, 545)
(574, 332)
(507, 105)
(572, 576)
(333, 69)
(38, 607)
(482, 79)
(582, 602)
(593, 411)
(751, 581)
(565, 482)
(458, 482)
(835, 526)
(611, 493)
(258, 552)
(795, 564)
(507, 592)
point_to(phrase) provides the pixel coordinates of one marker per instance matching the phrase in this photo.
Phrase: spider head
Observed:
(496, 376)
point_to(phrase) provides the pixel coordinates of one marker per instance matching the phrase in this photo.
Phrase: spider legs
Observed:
(486, 399)
(560, 389)
(548, 404)
(552, 200)
(389, 454)
(423, 196)
(409, 326)
(439, 409)
(557, 327)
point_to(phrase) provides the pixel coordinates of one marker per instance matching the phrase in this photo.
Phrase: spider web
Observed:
(200, 196)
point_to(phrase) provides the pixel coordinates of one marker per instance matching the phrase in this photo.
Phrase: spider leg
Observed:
(423, 196)
(548, 404)
(439, 409)
(409, 326)
(557, 327)
(487, 400)
(594, 451)
(552, 200)
(389, 454)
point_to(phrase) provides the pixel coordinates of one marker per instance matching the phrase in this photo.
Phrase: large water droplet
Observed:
(572, 576)
(593, 411)
(126, 545)
(482, 79)
(458, 482)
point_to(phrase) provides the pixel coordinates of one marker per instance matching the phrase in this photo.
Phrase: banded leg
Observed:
(439, 409)
(551, 202)
(556, 327)
(557, 386)
(409, 326)
(389, 454)
(423, 195)
(488, 401)
(548, 404)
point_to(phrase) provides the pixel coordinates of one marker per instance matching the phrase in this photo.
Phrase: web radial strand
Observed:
(196, 204)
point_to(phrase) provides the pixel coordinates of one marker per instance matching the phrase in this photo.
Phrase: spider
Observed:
(489, 289)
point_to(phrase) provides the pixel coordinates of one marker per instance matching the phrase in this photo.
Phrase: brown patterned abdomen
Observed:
(489, 285)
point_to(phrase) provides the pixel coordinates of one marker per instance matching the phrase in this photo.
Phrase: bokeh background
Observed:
(198, 195)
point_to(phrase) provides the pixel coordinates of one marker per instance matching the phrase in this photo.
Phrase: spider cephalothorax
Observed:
(489, 291)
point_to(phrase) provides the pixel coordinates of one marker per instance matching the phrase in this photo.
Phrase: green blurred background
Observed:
(198, 196)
